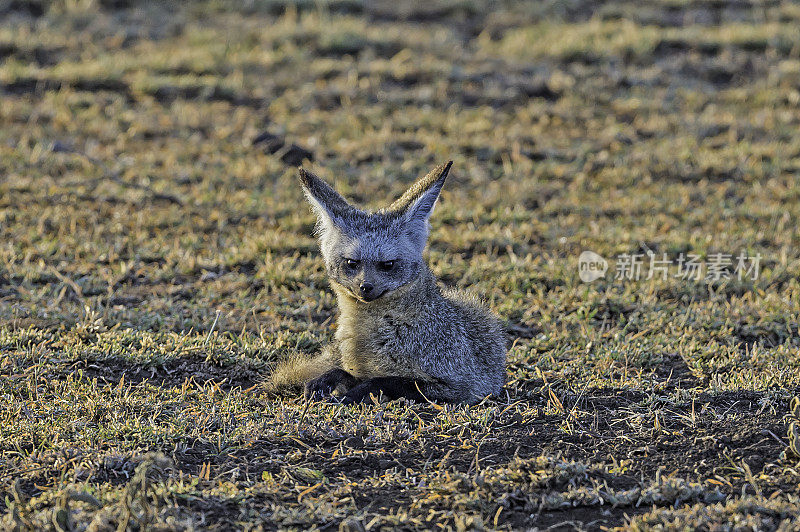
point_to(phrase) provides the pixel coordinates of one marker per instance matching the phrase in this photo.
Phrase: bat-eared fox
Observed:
(398, 332)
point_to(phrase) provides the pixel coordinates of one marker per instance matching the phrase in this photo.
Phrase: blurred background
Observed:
(149, 156)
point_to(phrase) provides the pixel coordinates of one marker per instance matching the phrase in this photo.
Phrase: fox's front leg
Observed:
(329, 382)
(391, 387)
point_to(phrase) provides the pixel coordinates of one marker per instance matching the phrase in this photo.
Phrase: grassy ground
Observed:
(156, 260)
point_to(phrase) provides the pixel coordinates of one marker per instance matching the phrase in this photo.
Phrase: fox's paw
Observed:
(388, 388)
(327, 383)
(359, 393)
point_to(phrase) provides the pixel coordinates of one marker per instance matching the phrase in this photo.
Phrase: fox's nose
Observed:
(365, 289)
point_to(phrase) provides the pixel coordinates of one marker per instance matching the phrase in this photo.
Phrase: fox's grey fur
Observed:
(399, 333)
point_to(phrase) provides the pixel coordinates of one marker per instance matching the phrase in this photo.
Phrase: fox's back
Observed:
(485, 335)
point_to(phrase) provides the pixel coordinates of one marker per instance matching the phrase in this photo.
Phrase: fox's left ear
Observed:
(330, 207)
(416, 205)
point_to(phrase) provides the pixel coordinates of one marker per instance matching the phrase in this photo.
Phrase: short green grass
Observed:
(156, 262)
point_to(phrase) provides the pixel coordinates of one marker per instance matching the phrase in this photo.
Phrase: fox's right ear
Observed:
(416, 204)
(329, 206)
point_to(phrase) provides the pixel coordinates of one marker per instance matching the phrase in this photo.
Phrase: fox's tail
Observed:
(291, 375)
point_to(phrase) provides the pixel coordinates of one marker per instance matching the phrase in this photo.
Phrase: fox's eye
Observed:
(351, 263)
(386, 265)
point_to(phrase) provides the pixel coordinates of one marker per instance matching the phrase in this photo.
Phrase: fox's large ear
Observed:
(329, 206)
(416, 205)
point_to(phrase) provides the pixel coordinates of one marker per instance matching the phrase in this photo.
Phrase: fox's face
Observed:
(370, 255)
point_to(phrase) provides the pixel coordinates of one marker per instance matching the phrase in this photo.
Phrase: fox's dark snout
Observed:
(369, 292)
(365, 289)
